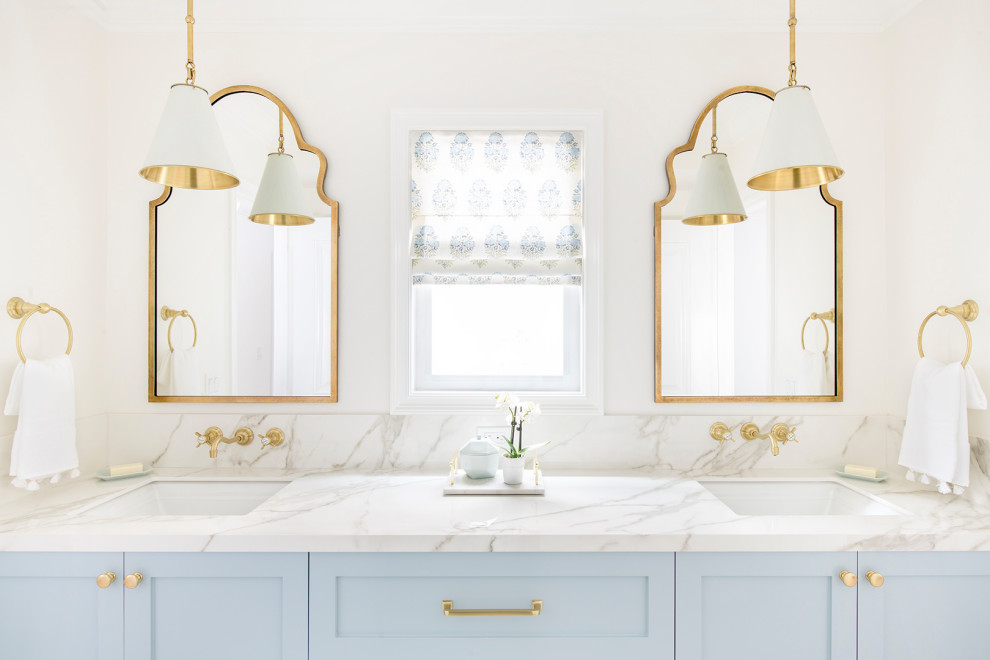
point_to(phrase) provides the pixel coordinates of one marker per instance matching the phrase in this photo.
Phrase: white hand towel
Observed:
(42, 396)
(179, 374)
(936, 432)
(814, 376)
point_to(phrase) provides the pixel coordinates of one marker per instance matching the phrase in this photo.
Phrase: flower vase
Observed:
(512, 470)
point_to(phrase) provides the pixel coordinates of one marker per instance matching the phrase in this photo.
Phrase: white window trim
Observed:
(589, 399)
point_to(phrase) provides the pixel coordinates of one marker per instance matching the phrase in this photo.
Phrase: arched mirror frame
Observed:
(657, 209)
(334, 236)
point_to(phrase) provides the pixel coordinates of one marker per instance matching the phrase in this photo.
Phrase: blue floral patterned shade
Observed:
(496, 207)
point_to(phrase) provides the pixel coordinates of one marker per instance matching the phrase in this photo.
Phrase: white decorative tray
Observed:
(464, 485)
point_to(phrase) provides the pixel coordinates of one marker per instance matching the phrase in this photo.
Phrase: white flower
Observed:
(529, 410)
(506, 400)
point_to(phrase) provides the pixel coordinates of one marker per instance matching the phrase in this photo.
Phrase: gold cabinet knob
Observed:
(849, 579)
(133, 580)
(876, 579)
(105, 580)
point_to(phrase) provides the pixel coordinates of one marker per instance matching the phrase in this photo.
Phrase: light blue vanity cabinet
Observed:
(491, 606)
(766, 606)
(51, 606)
(930, 605)
(245, 605)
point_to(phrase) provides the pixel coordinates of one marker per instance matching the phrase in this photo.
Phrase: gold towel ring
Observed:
(968, 311)
(169, 313)
(18, 309)
(824, 316)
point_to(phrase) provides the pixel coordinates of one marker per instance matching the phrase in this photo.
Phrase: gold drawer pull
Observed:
(848, 579)
(874, 578)
(448, 610)
(133, 580)
(106, 579)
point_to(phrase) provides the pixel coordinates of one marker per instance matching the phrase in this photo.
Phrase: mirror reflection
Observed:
(747, 311)
(245, 311)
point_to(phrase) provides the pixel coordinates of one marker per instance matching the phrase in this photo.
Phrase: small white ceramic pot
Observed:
(512, 470)
(479, 459)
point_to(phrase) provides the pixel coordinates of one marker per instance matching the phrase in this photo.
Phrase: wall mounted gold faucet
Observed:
(214, 436)
(779, 434)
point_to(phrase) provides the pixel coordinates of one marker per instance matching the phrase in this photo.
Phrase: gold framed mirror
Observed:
(240, 311)
(750, 311)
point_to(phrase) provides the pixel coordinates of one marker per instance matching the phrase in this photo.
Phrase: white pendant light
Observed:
(280, 200)
(188, 150)
(795, 152)
(715, 199)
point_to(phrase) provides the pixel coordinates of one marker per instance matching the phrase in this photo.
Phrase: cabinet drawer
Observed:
(383, 603)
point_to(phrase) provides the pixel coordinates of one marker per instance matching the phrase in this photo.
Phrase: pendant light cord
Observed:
(190, 66)
(714, 124)
(792, 69)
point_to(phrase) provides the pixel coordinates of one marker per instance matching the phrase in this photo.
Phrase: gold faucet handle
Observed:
(719, 432)
(213, 434)
(274, 437)
(783, 433)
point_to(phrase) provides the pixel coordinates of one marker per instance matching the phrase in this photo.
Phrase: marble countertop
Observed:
(395, 512)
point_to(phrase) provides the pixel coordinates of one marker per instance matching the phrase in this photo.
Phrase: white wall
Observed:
(53, 128)
(342, 87)
(937, 175)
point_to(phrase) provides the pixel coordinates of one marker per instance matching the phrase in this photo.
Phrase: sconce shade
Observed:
(715, 200)
(188, 150)
(795, 152)
(280, 199)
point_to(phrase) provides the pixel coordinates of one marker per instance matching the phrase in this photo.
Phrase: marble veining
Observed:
(406, 512)
(423, 442)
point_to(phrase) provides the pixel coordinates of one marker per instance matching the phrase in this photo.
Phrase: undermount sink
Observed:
(190, 498)
(805, 497)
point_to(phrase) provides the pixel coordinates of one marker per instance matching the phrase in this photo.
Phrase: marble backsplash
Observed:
(381, 443)
(610, 442)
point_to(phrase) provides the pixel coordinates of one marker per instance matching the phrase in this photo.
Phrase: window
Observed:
(496, 260)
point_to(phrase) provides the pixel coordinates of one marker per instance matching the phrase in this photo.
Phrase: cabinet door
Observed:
(51, 606)
(765, 606)
(248, 606)
(930, 605)
(480, 606)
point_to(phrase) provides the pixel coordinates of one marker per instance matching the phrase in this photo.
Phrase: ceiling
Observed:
(495, 15)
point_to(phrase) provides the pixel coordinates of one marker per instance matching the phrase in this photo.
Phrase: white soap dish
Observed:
(105, 475)
(881, 476)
